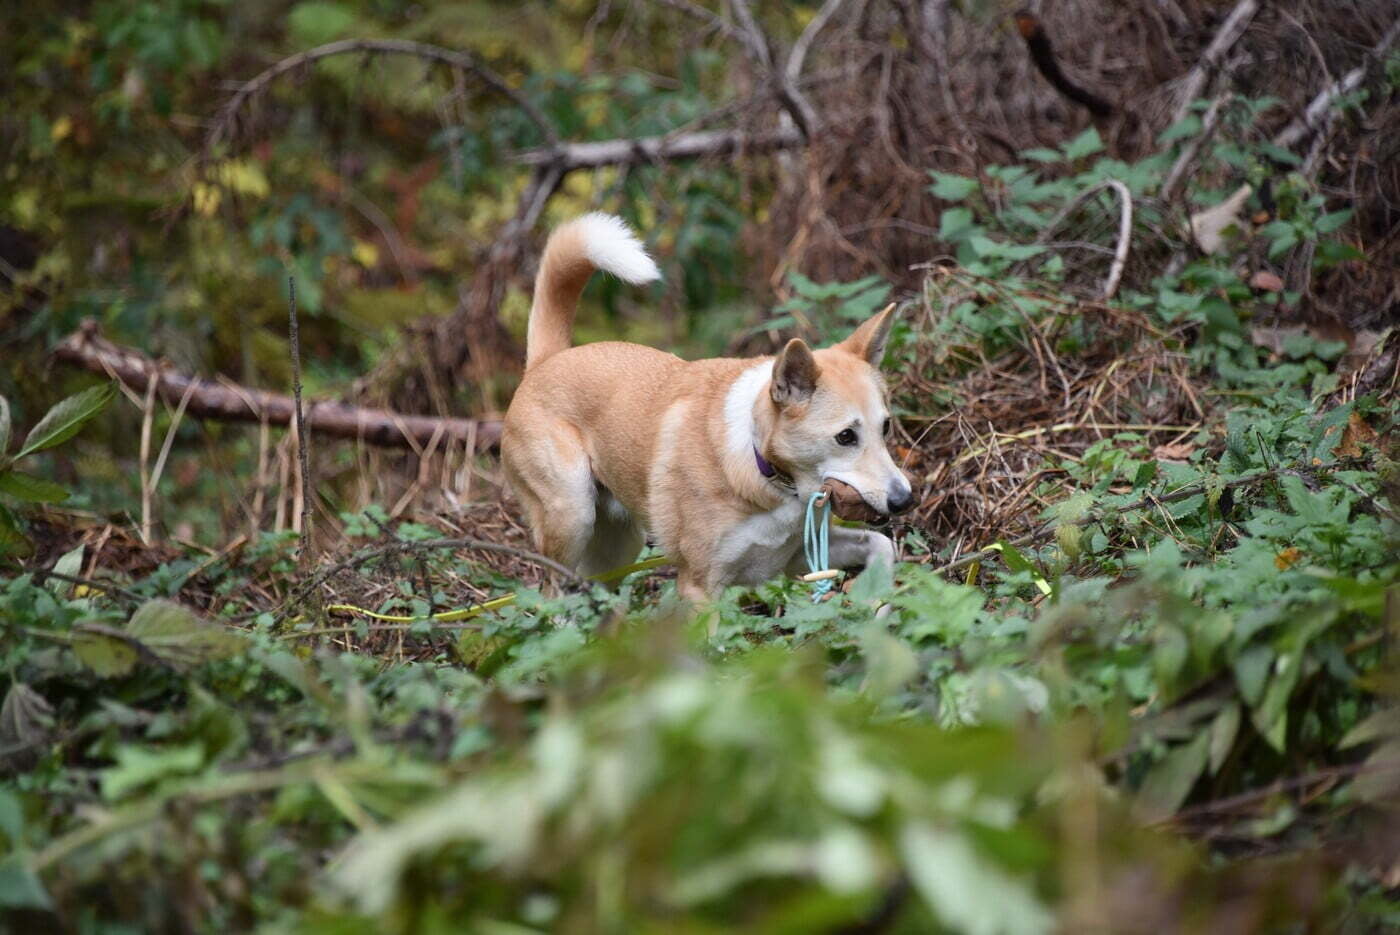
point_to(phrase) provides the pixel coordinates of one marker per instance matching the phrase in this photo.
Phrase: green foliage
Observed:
(57, 426)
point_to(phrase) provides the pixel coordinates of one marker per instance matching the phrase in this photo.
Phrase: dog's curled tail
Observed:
(574, 251)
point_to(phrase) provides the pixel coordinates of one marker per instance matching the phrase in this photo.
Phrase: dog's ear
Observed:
(794, 374)
(868, 341)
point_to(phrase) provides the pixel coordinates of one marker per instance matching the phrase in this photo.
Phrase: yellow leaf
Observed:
(61, 128)
(243, 177)
(365, 253)
(206, 199)
(1287, 558)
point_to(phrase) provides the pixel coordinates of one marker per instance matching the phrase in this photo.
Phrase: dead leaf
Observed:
(1177, 452)
(1287, 558)
(1356, 434)
(1211, 226)
(1265, 281)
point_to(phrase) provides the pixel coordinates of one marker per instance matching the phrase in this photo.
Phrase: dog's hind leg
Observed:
(549, 472)
(616, 538)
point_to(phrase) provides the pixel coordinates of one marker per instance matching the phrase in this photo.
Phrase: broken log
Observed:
(228, 402)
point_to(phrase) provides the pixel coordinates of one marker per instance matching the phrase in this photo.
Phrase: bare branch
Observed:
(86, 348)
(794, 102)
(695, 10)
(1125, 232)
(1181, 168)
(797, 58)
(228, 115)
(1226, 36)
(1318, 112)
(666, 148)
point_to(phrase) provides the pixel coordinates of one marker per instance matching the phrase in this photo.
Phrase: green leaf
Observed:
(1169, 653)
(952, 187)
(1383, 723)
(178, 637)
(11, 817)
(1330, 222)
(1170, 780)
(1223, 731)
(1085, 144)
(317, 21)
(1251, 671)
(1270, 716)
(12, 541)
(70, 564)
(1189, 125)
(107, 656)
(20, 887)
(31, 489)
(954, 223)
(139, 766)
(25, 718)
(64, 420)
(965, 890)
(1018, 562)
(889, 662)
(1041, 155)
(1074, 508)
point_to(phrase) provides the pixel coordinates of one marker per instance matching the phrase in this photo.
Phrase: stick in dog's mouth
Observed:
(849, 504)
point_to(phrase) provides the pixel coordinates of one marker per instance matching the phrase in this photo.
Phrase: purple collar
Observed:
(771, 473)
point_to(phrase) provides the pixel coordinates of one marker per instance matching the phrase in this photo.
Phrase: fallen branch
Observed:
(87, 349)
(648, 149)
(1125, 231)
(1225, 38)
(1125, 228)
(1318, 112)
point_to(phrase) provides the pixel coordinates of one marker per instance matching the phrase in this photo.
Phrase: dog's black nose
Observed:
(901, 500)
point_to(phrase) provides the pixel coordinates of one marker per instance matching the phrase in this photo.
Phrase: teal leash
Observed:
(816, 534)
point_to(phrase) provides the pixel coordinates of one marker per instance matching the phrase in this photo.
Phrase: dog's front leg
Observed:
(854, 548)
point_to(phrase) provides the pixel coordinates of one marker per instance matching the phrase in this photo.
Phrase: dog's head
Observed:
(831, 416)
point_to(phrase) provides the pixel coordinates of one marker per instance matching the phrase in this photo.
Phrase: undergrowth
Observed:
(1161, 702)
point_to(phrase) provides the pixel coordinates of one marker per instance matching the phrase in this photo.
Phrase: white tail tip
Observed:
(612, 247)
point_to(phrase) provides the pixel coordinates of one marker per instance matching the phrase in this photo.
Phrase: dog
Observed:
(716, 458)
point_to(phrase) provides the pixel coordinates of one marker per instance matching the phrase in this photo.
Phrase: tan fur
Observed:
(606, 440)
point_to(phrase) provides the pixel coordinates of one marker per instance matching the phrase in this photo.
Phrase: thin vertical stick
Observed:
(303, 442)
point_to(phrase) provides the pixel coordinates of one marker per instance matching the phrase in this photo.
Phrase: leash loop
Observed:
(816, 532)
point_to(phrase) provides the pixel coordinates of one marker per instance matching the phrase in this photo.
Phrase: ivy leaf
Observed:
(179, 638)
(64, 420)
(31, 489)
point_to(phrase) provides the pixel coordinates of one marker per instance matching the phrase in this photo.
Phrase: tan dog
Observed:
(715, 457)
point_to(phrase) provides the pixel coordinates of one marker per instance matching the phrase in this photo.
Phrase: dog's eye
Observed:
(846, 437)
